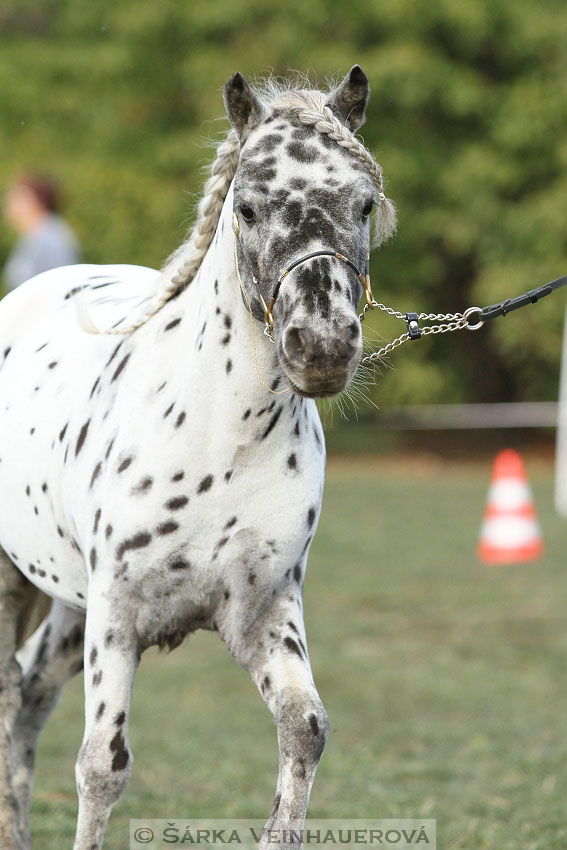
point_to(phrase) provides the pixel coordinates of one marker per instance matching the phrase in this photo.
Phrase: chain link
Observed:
(440, 317)
(449, 322)
(395, 313)
(445, 328)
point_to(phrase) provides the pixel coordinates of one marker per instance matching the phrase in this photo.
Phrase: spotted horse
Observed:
(161, 457)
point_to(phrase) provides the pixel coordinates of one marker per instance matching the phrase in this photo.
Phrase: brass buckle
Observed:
(269, 319)
(365, 281)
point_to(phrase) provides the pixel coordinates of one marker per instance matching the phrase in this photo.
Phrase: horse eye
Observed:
(247, 214)
(367, 209)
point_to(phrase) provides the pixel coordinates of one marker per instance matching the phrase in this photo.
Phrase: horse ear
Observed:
(349, 100)
(244, 109)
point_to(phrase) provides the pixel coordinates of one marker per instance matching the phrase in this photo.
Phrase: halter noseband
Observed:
(268, 308)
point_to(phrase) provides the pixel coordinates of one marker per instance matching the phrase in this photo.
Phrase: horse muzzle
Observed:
(316, 365)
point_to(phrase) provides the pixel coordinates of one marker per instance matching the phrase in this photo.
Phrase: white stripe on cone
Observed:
(509, 494)
(510, 532)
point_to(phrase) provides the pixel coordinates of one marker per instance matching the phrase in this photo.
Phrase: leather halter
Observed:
(364, 279)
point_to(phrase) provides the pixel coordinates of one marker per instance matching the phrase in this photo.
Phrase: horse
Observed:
(162, 459)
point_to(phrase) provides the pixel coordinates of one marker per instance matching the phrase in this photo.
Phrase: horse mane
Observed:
(308, 106)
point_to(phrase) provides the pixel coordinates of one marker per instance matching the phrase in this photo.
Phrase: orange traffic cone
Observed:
(510, 531)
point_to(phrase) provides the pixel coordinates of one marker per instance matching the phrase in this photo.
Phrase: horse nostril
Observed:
(354, 330)
(303, 346)
(297, 343)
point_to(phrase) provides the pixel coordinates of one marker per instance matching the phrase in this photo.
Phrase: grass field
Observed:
(444, 681)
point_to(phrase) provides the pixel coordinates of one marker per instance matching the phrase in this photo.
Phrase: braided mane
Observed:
(308, 107)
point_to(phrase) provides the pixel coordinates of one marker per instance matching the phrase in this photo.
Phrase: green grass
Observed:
(444, 681)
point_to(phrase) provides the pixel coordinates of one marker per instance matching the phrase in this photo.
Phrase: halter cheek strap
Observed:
(364, 279)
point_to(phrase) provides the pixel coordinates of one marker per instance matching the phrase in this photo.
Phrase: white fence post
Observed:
(561, 450)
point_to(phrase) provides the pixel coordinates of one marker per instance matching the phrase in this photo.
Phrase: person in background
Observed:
(46, 241)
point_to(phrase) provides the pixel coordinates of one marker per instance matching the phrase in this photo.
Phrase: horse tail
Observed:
(34, 609)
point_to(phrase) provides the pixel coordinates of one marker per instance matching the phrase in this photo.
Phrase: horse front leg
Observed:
(104, 763)
(274, 651)
(302, 727)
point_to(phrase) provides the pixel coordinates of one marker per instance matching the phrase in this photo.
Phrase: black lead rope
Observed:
(531, 297)
(473, 318)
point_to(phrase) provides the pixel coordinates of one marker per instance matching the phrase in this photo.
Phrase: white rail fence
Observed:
(532, 414)
(537, 414)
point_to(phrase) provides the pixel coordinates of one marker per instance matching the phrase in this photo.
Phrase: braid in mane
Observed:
(183, 264)
(192, 252)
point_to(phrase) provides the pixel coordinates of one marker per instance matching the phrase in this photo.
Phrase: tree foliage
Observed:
(466, 117)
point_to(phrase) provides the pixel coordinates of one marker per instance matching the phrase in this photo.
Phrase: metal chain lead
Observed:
(449, 322)
(395, 313)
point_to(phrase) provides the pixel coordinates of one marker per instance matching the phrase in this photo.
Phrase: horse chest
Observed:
(145, 482)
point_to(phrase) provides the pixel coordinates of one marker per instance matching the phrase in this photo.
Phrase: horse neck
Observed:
(216, 343)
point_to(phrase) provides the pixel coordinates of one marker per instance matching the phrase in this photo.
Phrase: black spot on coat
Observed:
(302, 152)
(205, 484)
(143, 486)
(292, 646)
(179, 564)
(272, 423)
(120, 368)
(96, 473)
(95, 385)
(172, 324)
(114, 353)
(176, 503)
(137, 542)
(167, 528)
(117, 746)
(125, 464)
(82, 437)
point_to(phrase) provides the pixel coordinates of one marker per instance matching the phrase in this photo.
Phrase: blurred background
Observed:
(467, 118)
(444, 680)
